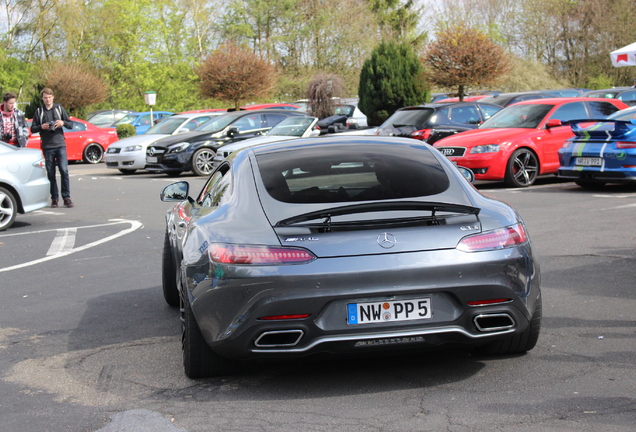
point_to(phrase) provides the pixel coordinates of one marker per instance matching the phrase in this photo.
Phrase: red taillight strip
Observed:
(258, 255)
(625, 144)
(422, 134)
(488, 302)
(284, 317)
(497, 239)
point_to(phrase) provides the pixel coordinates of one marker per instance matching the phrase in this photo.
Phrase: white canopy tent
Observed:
(625, 56)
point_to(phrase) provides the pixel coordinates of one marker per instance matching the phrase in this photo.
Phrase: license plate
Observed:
(111, 159)
(589, 161)
(151, 159)
(388, 311)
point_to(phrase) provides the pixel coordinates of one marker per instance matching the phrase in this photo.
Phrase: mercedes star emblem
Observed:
(387, 240)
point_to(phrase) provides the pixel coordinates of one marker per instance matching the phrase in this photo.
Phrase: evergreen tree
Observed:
(390, 79)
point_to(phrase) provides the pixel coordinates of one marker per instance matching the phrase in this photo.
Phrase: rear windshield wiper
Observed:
(327, 214)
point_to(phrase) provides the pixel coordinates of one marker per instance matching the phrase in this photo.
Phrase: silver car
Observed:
(129, 154)
(347, 245)
(24, 186)
(288, 129)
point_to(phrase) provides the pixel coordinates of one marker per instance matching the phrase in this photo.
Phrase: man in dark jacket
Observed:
(49, 121)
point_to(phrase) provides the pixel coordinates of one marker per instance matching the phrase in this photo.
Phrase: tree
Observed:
(464, 57)
(390, 79)
(76, 86)
(233, 73)
(322, 89)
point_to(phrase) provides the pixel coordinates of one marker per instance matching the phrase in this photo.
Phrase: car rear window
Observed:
(332, 173)
(409, 117)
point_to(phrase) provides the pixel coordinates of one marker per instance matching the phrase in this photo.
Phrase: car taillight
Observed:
(284, 317)
(488, 302)
(501, 238)
(258, 255)
(40, 163)
(625, 144)
(422, 134)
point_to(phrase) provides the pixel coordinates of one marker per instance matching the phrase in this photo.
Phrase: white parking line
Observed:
(63, 242)
(134, 225)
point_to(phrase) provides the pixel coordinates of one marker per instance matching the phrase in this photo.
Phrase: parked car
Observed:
(129, 154)
(347, 245)
(24, 186)
(432, 122)
(141, 120)
(522, 141)
(288, 129)
(195, 151)
(625, 94)
(467, 98)
(505, 99)
(345, 116)
(565, 92)
(105, 118)
(601, 152)
(281, 105)
(85, 142)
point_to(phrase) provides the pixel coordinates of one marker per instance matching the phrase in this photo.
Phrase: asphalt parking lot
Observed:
(88, 344)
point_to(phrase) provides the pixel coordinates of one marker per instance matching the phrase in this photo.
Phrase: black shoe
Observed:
(68, 202)
(54, 203)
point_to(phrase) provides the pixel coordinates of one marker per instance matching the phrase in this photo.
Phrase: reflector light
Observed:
(257, 255)
(501, 238)
(284, 317)
(625, 144)
(487, 302)
(422, 134)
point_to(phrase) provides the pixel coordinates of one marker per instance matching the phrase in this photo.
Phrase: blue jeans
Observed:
(57, 157)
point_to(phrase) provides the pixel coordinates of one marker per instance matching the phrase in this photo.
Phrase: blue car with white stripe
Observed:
(601, 151)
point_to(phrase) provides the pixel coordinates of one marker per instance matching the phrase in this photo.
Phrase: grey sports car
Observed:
(344, 244)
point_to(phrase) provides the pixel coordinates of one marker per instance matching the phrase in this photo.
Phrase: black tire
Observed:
(203, 161)
(199, 361)
(522, 168)
(589, 184)
(518, 343)
(8, 209)
(127, 171)
(169, 274)
(93, 153)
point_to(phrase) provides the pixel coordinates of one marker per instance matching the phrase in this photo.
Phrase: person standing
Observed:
(14, 127)
(49, 121)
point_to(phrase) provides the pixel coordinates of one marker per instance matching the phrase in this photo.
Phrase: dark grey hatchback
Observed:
(344, 245)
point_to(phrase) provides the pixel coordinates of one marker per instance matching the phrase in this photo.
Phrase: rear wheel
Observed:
(169, 274)
(202, 161)
(518, 343)
(522, 168)
(93, 153)
(199, 361)
(8, 209)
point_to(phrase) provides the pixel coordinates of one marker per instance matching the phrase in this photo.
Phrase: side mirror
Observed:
(175, 192)
(467, 173)
(553, 123)
(314, 133)
(231, 132)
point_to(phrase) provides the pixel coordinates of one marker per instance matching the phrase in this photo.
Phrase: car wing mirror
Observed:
(231, 132)
(175, 192)
(553, 123)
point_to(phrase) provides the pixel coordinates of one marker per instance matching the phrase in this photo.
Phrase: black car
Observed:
(432, 122)
(505, 99)
(195, 151)
(625, 94)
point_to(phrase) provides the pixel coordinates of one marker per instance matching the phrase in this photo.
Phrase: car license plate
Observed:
(388, 311)
(589, 161)
(151, 159)
(111, 159)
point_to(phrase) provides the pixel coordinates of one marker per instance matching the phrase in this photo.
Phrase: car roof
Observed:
(559, 100)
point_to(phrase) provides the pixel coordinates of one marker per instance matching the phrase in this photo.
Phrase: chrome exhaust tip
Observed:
(493, 322)
(279, 338)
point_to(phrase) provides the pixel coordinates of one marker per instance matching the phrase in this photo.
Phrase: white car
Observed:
(24, 186)
(288, 129)
(129, 154)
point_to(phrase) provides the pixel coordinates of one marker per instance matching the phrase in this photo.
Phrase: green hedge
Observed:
(125, 131)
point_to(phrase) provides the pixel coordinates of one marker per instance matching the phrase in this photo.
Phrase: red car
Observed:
(522, 140)
(85, 142)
